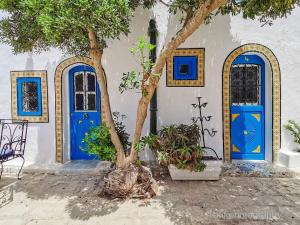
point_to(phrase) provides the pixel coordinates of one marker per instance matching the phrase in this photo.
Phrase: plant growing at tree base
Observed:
(97, 141)
(177, 145)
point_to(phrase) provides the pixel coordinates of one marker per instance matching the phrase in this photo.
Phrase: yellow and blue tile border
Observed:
(44, 118)
(59, 101)
(276, 98)
(199, 82)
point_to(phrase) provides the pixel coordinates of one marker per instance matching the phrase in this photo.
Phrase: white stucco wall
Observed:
(41, 146)
(283, 38)
(219, 38)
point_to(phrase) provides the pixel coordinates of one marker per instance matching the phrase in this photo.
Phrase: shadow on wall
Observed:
(45, 132)
(119, 60)
(175, 102)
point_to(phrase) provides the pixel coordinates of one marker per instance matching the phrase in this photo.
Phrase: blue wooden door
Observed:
(84, 108)
(248, 108)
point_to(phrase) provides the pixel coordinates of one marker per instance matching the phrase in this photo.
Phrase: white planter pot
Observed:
(289, 159)
(211, 172)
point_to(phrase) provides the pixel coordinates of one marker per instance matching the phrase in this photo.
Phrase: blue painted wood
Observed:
(248, 122)
(81, 121)
(191, 62)
(20, 81)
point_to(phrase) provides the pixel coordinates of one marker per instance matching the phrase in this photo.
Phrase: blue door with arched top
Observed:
(248, 108)
(85, 108)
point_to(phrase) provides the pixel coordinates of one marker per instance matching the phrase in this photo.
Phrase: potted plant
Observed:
(294, 129)
(291, 158)
(178, 148)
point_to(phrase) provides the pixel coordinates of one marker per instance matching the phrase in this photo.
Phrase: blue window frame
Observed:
(185, 67)
(29, 96)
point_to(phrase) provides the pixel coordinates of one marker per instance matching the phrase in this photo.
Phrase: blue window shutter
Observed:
(185, 68)
(20, 95)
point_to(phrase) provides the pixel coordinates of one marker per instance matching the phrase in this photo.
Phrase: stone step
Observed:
(82, 167)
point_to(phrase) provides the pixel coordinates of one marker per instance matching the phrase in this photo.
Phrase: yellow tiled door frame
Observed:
(42, 74)
(276, 96)
(59, 101)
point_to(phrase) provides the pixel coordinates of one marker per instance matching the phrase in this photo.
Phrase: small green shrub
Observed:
(178, 145)
(294, 128)
(98, 143)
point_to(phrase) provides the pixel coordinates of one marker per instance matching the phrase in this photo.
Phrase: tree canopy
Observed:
(265, 10)
(36, 25)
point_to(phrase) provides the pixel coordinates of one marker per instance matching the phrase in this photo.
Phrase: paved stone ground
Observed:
(257, 169)
(61, 200)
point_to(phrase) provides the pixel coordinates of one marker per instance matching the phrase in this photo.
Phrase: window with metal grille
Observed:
(29, 96)
(85, 91)
(246, 84)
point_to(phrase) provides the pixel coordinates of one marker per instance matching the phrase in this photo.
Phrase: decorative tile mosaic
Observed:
(59, 101)
(185, 68)
(44, 118)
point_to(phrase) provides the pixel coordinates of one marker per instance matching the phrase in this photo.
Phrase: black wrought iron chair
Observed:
(12, 141)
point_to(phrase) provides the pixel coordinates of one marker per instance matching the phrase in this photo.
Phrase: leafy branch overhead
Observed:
(37, 25)
(139, 79)
(266, 11)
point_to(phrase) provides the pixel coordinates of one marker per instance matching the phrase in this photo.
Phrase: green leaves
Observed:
(40, 24)
(130, 80)
(136, 79)
(37, 25)
(294, 128)
(97, 141)
(178, 145)
(266, 11)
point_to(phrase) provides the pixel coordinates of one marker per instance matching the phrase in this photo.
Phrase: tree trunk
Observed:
(190, 27)
(96, 55)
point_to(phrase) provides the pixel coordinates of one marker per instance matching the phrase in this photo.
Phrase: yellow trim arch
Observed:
(59, 101)
(276, 104)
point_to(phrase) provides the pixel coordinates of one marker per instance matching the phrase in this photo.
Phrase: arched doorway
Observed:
(84, 108)
(244, 119)
(60, 103)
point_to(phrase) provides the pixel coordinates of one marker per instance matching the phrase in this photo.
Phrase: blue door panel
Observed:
(248, 121)
(82, 120)
(247, 134)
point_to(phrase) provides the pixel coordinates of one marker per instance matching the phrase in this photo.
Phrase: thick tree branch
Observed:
(191, 26)
(96, 55)
(164, 3)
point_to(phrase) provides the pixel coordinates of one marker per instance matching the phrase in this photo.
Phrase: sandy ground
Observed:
(72, 200)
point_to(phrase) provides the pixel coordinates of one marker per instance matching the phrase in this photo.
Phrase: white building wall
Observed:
(41, 145)
(41, 136)
(219, 38)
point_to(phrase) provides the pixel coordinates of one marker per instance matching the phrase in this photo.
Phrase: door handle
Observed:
(85, 116)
